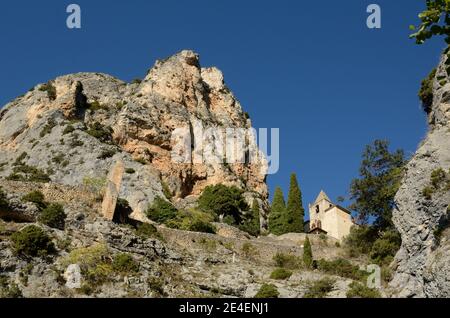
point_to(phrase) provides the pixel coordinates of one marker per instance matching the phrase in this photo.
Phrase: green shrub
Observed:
(287, 261)
(136, 81)
(108, 153)
(95, 106)
(268, 291)
(281, 274)
(69, 129)
(124, 263)
(251, 223)
(161, 211)
(130, 171)
(4, 202)
(146, 230)
(194, 221)
(361, 239)
(50, 89)
(102, 133)
(385, 248)
(28, 174)
(32, 241)
(320, 288)
(438, 177)
(166, 191)
(223, 200)
(426, 91)
(95, 265)
(48, 127)
(229, 219)
(9, 289)
(341, 267)
(249, 250)
(53, 216)
(36, 197)
(358, 290)
(307, 254)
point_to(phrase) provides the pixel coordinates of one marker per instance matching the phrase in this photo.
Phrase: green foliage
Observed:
(69, 129)
(95, 186)
(277, 210)
(32, 241)
(380, 246)
(268, 291)
(146, 230)
(53, 216)
(136, 81)
(194, 221)
(341, 267)
(287, 261)
(36, 197)
(102, 133)
(9, 289)
(307, 254)
(108, 153)
(50, 89)
(439, 180)
(426, 91)
(373, 193)
(358, 290)
(281, 274)
(130, 171)
(434, 21)
(361, 239)
(320, 288)
(222, 200)
(124, 263)
(23, 172)
(385, 248)
(95, 106)
(249, 250)
(166, 190)
(251, 222)
(4, 202)
(294, 209)
(161, 211)
(95, 265)
(48, 127)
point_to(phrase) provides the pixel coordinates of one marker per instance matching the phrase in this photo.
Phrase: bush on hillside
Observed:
(341, 267)
(53, 216)
(287, 261)
(161, 211)
(268, 291)
(32, 241)
(4, 202)
(194, 221)
(320, 288)
(281, 274)
(223, 200)
(358, 290)
(124, 263)
(36, 197)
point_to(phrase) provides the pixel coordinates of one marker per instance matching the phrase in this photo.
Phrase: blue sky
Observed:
(311, 68)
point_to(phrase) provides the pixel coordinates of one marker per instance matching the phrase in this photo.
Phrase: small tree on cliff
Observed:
(252, 223)
(294, 211)
(277, 212)
(307, 253)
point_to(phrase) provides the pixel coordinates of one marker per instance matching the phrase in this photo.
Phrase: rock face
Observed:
(74, 128)
(424, 258)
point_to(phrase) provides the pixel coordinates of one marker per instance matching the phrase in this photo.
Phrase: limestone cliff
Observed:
(422, 206)
(76, 126)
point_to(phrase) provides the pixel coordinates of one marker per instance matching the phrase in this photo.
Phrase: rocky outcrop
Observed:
(422, 209)
(74, 128)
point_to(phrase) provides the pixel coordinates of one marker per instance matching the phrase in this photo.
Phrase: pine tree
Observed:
(307, 253)
(294, 211)
(277, 212)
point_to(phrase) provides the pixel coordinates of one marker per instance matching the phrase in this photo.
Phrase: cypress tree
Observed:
(294, 211)
(277, 212)
(307, 253)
